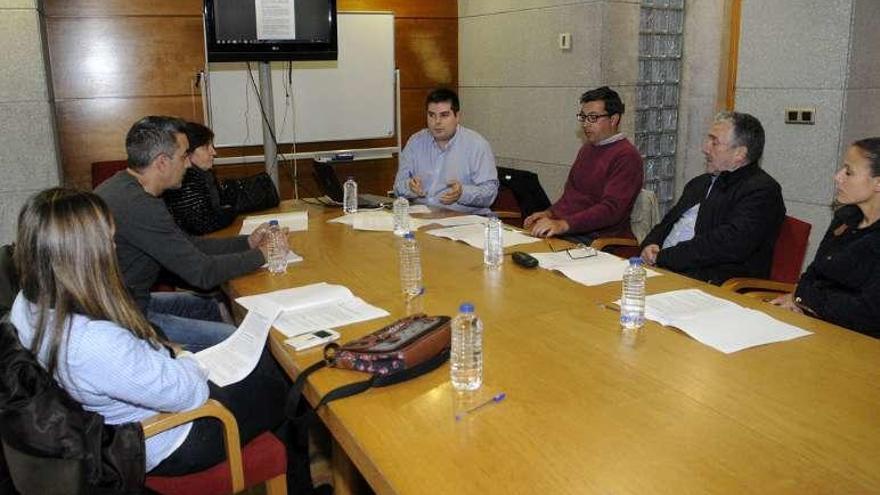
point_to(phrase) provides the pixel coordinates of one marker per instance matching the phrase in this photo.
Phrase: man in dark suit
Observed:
(726, 222)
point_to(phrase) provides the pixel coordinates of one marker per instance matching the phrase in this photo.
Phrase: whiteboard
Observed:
(350, 98)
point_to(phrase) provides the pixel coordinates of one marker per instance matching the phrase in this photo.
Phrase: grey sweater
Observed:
(147, 239)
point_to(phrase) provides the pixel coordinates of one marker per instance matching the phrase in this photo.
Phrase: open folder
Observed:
(311, 307)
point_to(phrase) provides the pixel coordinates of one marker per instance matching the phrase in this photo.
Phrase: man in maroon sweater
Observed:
(604, 180)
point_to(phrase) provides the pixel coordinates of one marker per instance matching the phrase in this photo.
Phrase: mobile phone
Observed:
(312, 339)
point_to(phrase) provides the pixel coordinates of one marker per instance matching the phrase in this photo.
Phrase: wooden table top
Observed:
(589, 408)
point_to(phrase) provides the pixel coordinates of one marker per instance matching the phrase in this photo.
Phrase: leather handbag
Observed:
(248, 194)
(403, 350)
(400, 346)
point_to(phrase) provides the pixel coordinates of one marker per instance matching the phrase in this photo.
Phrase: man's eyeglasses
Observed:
(578, 252)
(590, 117)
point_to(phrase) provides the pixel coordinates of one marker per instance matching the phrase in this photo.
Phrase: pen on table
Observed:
(492, 400)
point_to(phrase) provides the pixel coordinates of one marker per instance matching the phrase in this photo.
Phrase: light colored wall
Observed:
(521, 91)
(28, 151)
(832, 66)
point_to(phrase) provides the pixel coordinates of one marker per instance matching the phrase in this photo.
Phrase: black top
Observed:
(842, 284)
(736, 226)
(196, 205)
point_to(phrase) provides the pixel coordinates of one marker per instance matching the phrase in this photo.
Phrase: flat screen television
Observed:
(264, 30)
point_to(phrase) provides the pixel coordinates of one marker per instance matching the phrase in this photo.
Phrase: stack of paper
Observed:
(475, 235)
(312, 307)
(594, 270)
(293, 220)
(459, 220)
(375, 220)
(716, 322)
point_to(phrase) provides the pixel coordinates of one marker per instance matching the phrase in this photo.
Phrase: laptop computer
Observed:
(326, 178)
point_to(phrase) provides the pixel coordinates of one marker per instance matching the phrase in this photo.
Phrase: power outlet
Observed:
(800, 116)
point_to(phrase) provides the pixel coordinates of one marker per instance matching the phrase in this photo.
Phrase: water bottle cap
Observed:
(492, 215)
(635, 260)
(466, 308)
(409, 235)
(273, 222)
(350, 177)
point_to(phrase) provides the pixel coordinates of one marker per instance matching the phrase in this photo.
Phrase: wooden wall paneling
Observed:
(427, 52)
(124, 56)
(90, 8)
(92, 130)
(405, 8)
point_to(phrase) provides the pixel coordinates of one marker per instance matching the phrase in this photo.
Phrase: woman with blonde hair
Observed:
(74, 313)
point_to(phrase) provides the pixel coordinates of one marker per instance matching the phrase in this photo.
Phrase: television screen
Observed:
(246, 30)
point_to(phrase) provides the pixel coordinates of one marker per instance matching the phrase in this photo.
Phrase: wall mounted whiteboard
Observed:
(350, 98)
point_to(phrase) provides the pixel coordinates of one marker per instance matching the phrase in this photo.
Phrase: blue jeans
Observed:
(188, 319)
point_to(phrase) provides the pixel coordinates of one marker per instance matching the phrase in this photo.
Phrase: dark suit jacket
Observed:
(736, 227)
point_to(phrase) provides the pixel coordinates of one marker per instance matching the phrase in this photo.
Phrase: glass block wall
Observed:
(660, 50)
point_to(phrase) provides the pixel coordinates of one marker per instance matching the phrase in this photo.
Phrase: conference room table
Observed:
(589, 408)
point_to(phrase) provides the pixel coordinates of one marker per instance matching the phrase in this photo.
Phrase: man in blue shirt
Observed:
(447, 165)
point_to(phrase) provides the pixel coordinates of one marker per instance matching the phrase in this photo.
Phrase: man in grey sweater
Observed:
(148, 240)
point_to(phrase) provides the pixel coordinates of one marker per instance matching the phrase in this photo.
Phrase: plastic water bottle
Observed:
(632, 301)
(350, 196)
(493, 251)
(277, 253)
(401, 216)
(410, 267)
(466, 357)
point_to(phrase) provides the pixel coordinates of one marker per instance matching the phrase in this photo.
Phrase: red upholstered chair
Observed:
(262, 460)
(788, 257)
(102, 171)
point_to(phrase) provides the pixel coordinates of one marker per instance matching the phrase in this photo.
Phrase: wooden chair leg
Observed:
(277, 485)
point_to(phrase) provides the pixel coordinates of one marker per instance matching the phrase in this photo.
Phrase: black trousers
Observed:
(257, 402)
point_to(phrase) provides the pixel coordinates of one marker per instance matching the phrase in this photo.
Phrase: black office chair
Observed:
(519, 195)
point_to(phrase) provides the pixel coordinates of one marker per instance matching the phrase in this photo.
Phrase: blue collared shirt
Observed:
(111, 372)
(467, 158)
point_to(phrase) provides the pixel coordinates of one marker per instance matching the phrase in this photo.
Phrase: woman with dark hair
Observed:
(842, 284)
(75, 315)
(196, 205)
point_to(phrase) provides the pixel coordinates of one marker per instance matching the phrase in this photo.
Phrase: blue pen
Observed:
(494, 399)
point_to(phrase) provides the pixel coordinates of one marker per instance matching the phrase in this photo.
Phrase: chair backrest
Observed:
(527, 194)
(645, 214)
(8, 279)
(102, 171)
(789, 250)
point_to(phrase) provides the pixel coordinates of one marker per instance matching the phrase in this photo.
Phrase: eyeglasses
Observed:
(578, 252)
(590, 117)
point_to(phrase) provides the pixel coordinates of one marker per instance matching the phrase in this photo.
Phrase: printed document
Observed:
(375, 220)
(717, 322)
(275, 19)
(312, 307)
(233, 359)
(293, 220)
(595, 270)
(459, 220)
(475, 235)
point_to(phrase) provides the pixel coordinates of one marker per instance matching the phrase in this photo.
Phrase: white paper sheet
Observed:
(293, 220)
(475, 235)
(716, 322)
(375, 220)
(291, 258)
(419, 209)
(233, 359)
(595, 270)
(459, 220)
(312, 307)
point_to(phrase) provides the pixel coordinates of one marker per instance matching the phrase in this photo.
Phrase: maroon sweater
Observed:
(601, 188)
